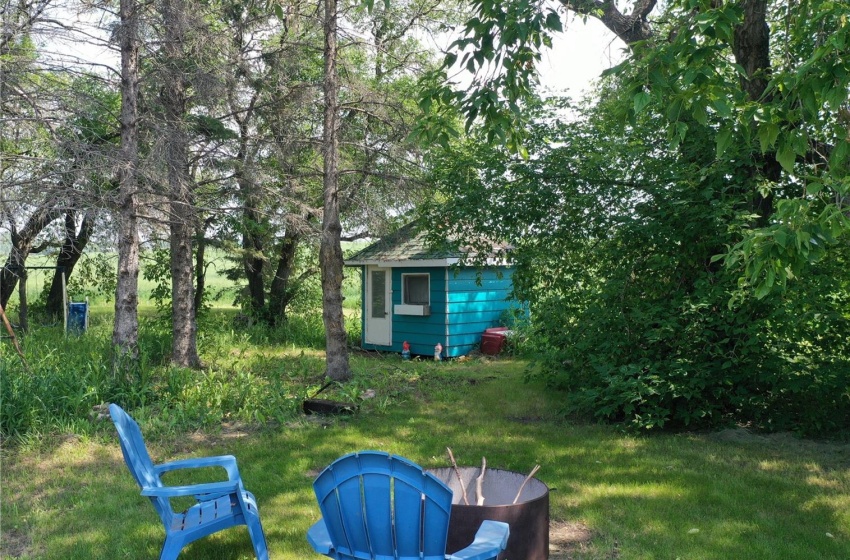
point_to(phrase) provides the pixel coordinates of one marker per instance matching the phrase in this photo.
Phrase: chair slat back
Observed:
(138, 459)
(380, 505)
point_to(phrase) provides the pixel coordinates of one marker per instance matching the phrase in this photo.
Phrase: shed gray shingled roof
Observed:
(408, 243)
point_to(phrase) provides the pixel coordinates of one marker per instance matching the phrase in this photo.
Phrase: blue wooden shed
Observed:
(420, 294)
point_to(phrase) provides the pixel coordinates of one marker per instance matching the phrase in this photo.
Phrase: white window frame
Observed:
(420, 309)
(404, 278)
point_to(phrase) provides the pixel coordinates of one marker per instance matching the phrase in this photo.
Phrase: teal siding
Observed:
(423, 333)
(474, 303)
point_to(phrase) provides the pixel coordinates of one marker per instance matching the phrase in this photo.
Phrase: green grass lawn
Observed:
(723, 495)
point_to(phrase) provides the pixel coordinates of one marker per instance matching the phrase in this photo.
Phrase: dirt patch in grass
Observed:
(229, 431)
(568, 539)
(15, 543)
(312, 474)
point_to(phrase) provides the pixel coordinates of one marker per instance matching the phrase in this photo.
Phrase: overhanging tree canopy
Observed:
(770, 79)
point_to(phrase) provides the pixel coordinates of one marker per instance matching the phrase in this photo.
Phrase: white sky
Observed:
(578, 56)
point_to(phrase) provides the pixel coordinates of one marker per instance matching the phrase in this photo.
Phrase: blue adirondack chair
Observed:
(381, 506)
(220, 505)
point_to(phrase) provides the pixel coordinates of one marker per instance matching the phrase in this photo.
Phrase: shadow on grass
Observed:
(664, 496)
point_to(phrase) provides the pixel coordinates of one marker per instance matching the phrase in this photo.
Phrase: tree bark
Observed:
(631, 28)
(280, 291)
(752, 52)
(201, 265)
(174, 98)
(330, 250)
(253, 260)
(72, 249)
(252, 256)
(23, 303)
(752, 48)
(22, 245)
(125, 329)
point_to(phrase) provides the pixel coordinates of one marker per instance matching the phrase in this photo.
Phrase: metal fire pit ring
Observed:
(528, 518)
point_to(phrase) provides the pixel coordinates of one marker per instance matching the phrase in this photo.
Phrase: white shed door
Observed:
(378, 306)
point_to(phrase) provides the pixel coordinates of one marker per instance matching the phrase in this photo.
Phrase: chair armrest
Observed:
(220, 488)
(227, 462)
(319, 538)
(490, 540)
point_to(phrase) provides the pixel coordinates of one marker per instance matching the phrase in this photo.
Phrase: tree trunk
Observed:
(280, 292)
(252, 257)
(201, 265)
(181, 224)
(253, 260)
(22, 244)
(752, 52)
(200, 275)
(23, 303)
(184, 350)
(72, 249)
(330, 251)
(125, 330)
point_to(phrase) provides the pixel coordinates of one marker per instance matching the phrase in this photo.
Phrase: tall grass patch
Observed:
(248, 377)
(66, 378)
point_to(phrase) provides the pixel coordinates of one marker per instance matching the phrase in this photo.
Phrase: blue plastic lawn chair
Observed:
(381, 506)
(220, 505)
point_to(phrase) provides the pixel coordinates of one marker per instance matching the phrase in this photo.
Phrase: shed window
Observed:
(417, 289)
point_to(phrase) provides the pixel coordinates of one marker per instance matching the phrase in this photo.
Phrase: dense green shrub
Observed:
(650, 355)
(616, 239)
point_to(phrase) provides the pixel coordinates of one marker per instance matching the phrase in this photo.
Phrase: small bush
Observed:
(685, 359)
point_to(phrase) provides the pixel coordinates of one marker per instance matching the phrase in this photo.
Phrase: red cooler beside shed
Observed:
(493, 340)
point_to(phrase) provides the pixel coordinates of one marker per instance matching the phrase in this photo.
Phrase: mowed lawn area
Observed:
(730, 494)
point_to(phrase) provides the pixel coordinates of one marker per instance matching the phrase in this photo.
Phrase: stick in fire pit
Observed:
(479, 483)
(459, 478)
(524, 482)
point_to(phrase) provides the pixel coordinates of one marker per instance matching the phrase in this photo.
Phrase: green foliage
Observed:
(634, 316)
(95, 118)
(67, 377)
(157, 269)
(210, 128)
(681, 243)
(303, 292)
(245, 379)
(784, 115)
(500, 46)
(799, 121)
(94, 277)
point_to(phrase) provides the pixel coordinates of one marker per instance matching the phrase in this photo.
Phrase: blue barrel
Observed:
(78, 317)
